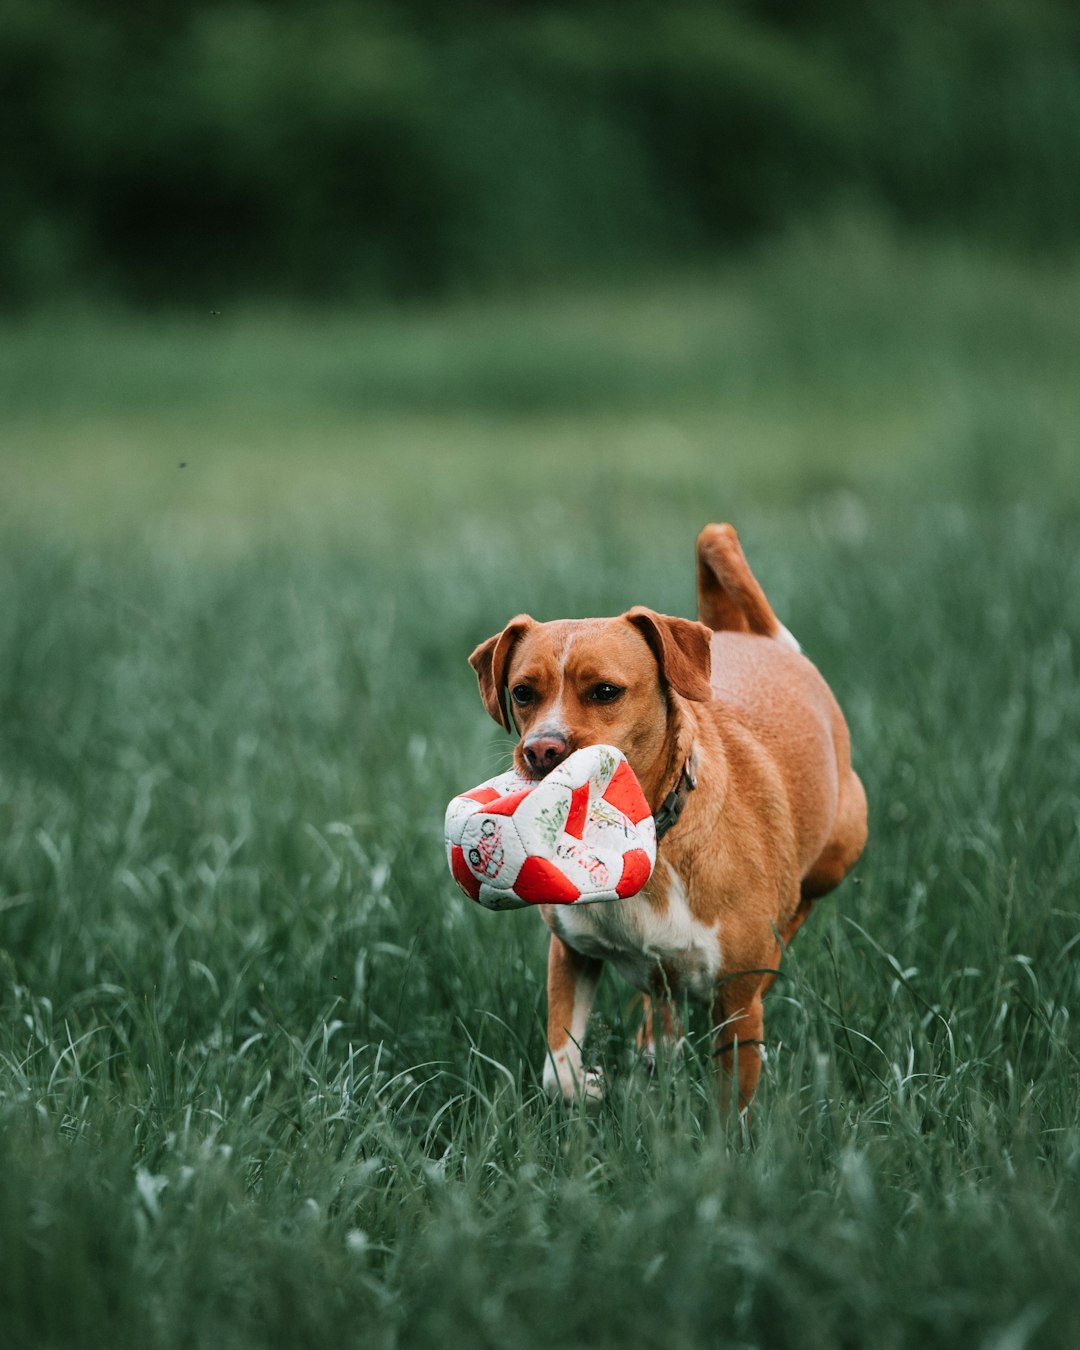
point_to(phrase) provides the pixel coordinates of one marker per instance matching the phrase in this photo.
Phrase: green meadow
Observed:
(266, 1077)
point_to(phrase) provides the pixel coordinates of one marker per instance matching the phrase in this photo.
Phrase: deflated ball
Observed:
(584, 833)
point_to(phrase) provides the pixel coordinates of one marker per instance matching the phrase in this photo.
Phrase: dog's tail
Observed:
(729, 597)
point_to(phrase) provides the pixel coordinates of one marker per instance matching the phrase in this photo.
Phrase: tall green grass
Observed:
(266, 1078)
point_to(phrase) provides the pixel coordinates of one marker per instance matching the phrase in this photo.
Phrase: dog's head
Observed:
(578, 682)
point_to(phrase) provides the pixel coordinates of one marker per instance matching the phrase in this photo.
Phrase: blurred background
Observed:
(188, 153)
(266, 260)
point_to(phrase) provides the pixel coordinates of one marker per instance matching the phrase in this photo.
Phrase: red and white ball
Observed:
(583, 833)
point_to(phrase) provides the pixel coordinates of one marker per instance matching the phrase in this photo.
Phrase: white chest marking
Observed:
(636, 938)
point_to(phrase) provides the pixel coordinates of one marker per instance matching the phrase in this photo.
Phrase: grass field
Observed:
(267, 1079)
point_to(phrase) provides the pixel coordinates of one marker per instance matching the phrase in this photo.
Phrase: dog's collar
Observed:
(671, 808)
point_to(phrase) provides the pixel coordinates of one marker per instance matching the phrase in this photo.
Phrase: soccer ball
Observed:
(584, 833)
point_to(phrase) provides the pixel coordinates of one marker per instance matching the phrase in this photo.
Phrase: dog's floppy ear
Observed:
(682, 650)
(490, 661)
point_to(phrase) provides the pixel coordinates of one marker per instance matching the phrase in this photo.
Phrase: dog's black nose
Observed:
(542, 753)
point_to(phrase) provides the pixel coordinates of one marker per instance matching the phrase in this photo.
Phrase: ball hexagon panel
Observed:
(584, 833)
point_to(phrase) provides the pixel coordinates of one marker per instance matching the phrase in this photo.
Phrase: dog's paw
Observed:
(564, 1077)
(671, 1053)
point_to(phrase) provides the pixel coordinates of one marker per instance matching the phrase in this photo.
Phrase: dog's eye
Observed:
(522, 694)
(605, 693)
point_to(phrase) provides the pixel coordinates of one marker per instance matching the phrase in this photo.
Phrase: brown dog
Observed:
(744, 757)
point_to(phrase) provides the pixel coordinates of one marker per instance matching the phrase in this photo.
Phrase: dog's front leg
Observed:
(571, 986)
(739, 1050)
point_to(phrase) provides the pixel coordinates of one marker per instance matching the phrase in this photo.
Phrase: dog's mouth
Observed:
(534, 775)
(536, 772)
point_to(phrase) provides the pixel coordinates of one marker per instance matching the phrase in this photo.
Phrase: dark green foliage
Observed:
(197, 153)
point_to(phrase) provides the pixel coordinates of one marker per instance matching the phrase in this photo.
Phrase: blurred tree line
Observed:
(176, 150)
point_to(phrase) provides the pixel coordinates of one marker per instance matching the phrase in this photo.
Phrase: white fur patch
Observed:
(786, 638)
(563, 1074)
(635, 938)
